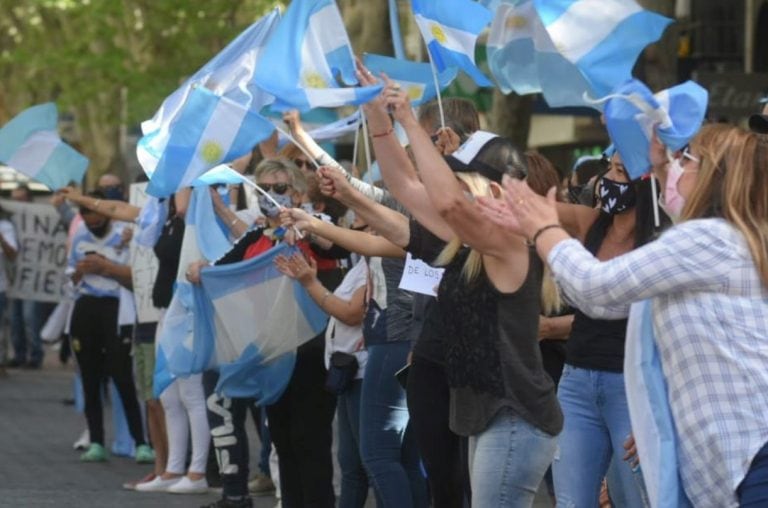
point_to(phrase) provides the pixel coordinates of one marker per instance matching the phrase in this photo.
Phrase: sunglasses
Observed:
(279, 188)
(303, 163)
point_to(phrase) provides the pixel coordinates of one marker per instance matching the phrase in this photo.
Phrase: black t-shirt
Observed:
(426, 328)
(168, 250)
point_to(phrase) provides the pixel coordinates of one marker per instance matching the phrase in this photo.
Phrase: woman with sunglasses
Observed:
(706, 280)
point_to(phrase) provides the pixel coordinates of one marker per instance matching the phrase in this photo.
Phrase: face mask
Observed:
(99, 231)
(615, 197)
(114, 192)
(308, 207)
(269, 209)
(673, 202)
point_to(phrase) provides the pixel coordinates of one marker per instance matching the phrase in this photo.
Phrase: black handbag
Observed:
(342, 369)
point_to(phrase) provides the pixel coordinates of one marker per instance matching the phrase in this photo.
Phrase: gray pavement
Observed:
(39, 468)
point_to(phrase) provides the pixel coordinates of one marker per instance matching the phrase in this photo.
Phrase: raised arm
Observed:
(389, 223)
(292, 119)
(112, 208)
(360, 242)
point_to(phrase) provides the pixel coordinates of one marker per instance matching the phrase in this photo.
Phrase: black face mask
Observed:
(99, 231)
(615, 197)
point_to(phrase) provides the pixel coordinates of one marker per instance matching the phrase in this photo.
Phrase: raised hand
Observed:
(334, 183)
(498, 213)
(296, 217)
(398, 102)
(531, 211)
(447, 141)
(297, 267)
(293, 121)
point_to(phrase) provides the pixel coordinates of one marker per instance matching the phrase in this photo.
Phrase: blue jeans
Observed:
(389, 453)
(25, 330)
(594, 406)
(507, 461)
(753, 489)
(354, 479)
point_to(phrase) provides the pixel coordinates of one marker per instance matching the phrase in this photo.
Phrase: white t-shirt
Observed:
(345, 338)
(9, 235)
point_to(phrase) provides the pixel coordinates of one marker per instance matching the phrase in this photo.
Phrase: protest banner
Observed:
(38, 271)
(144, 266)
(419, 277)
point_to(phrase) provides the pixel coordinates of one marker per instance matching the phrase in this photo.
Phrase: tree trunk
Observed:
(511, 117)
(660, 59)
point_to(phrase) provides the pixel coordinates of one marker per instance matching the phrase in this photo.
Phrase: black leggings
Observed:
(226, 418)
(101, 352)
(443, 452)
(300, 428)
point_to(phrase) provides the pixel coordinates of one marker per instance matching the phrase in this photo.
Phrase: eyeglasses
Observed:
(303, 163)
(279, 188)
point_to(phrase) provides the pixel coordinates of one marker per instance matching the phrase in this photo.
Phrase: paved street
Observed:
(39, 468)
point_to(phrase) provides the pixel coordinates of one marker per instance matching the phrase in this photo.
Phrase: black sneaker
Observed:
(244, 502)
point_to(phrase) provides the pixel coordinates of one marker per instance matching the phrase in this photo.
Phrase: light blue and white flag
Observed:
(30, 144)
(209, 130)
(229, 74)
(257, 316)
(450, 29)
(331, 131)
(414, 78)
(523, 58)
(652, 423)
(632, 112)
(309, 59)
(603, 38)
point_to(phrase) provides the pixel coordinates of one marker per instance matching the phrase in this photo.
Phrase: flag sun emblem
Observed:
(211, 152)
(438, 33)
(313, 79)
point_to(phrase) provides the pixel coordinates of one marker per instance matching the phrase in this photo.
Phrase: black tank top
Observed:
(492, 357)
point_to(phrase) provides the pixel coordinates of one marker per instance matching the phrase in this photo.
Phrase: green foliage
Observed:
(83, 52)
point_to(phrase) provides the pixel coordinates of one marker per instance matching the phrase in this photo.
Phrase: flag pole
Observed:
(298, 145)
(357, 140)
(264, 193)
(656, 220)
(437, 89)
(366, 141)
(394, 26)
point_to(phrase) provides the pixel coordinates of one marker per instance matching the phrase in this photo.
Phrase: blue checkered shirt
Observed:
(710, 314)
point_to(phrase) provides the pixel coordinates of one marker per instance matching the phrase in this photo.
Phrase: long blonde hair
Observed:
(733, 184)
(478, 186)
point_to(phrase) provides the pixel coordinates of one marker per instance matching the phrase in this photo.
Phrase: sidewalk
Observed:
(39, 468)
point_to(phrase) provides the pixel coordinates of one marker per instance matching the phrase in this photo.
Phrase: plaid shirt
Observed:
(710, 314)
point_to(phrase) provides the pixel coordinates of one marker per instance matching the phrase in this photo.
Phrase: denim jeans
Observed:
(26, 317)
(354, 479)
(507, 461)
(389, 452)
(594, 406)
(753, 489)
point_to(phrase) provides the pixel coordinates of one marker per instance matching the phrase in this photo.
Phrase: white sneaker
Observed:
(83, 442)
(187, 486)
(157, 485)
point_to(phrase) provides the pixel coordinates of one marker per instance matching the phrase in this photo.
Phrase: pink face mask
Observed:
(673, 201)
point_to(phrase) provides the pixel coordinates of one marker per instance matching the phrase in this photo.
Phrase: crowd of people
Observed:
(513, 375)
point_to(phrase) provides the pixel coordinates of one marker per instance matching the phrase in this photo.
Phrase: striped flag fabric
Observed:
(414, 78)
(308, 61)
(450, 29)
(209, 130)
(30, 144)
(257, 316)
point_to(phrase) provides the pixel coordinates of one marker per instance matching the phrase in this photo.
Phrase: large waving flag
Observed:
(632, 112)
(257, 316)
(450, 29)
(229, 74)
(30, 144)
(603, 38)
(309, 58)
(413, 77)
(210, 130)
(652, 423)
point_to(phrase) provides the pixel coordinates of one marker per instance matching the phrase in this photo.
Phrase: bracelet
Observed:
(382, 134)
(324, 298)
(541, 230)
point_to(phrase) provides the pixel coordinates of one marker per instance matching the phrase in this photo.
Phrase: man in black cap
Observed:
(759, 121)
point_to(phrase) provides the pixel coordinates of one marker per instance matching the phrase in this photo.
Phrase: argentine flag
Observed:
(523, 58)
(229, 74)
(603, 38)
(309, 58)
(257, 316)
(450, 29)
(414, 78)
(632, 112)
(209, 130)
(30, 144)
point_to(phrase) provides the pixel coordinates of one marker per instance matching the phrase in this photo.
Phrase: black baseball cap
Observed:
(759, 124)
(490, 155)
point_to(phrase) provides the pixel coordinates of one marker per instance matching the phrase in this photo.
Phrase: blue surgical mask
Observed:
(269, 209)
